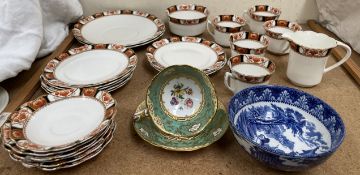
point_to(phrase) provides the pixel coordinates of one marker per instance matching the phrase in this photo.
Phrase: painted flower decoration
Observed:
(189, 103)
(174, 101)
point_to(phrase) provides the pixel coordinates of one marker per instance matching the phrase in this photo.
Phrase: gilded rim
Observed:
(219, 64)
(16, 135)
(280, 23)
(157, 119)
(187, 7)
(230, 18)
(246, 35)
(264, 8)
(143, 106)
(49, 77)
(85, 20)
(255, 60)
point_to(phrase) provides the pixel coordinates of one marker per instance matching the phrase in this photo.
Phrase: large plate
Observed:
(126, 27)
(90, 66)
(197, 52)
(34, 122)
(181, 100)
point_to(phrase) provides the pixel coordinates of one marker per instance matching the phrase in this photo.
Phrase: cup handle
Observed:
(227, 77)
(141, 114)
(210, 28)
(343, 60)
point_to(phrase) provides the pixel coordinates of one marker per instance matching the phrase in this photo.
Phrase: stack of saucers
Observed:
(103, 66)
(181, 111)
(60, 130)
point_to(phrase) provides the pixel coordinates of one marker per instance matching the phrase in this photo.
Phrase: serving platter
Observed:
(127, 27)
(197, 52)
(181, 100)
(147, 130)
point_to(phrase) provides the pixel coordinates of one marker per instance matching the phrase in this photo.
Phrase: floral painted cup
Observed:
(248, 71)
(223, 25)
(248, 43)
(187, 19)
(257, 15)
(274, 29)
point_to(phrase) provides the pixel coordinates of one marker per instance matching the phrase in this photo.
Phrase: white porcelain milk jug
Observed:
(308, 56)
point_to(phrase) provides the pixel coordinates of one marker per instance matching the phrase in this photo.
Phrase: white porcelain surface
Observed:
(4, 98)
(187, 30)
(179, 53)
(64, 121)
(255, 26)
(306, 70)
(187, 14)
(267, 14)
(235, 85)
(91, 67)
(278, 46)
(221, 38)
(122, 29)
(188, 100)
(250, 69)
(247, 43)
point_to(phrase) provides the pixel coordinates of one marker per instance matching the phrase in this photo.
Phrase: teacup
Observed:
(248, 71)
(274, 29)
(248, 43)
(223, 25)
(308, 56)
(257, 15)
(187, 19)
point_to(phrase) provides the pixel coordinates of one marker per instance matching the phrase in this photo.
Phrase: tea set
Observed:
(282, 127)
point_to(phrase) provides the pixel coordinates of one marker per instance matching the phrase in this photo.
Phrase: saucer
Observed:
(193, 51)
(147, 130)
(181, 100)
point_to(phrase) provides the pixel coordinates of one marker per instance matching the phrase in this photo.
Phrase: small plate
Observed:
(197, 52)
(59, 132)
(75, 157)
(126, 27)
(181, 100)
(147, 130)
(89, 66)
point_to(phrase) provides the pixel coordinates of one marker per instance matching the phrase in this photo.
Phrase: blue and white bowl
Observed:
(285, 128)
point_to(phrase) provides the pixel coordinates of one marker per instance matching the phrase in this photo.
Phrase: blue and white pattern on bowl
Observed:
(285, 128)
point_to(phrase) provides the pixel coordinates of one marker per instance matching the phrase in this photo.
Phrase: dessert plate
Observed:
(37, 126)
(197, 52)
(181, 100)
(147, 130)
(90, 65)
(126, 27)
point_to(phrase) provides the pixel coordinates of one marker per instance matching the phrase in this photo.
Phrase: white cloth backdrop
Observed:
(342, 18)
(30, 29)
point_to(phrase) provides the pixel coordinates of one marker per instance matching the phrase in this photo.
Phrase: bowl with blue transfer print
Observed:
(285, 128)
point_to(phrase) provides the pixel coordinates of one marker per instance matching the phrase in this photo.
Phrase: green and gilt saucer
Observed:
(148, 131)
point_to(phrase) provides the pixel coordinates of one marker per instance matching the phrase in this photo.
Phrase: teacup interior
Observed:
(261, 13)
(247, 43)
(228, 24)
(187, 15)
(250, 69)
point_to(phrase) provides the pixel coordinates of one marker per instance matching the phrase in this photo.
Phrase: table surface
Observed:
(129, 154)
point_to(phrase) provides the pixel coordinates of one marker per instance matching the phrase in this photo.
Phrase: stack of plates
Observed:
(127, 27)
(181, 111)
(103, 66)
(60, 130)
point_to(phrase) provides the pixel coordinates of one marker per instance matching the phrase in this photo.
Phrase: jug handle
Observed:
(343, 60)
